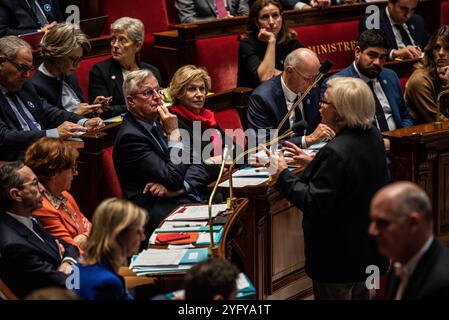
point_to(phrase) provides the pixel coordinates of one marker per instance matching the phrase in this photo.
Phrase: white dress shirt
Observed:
(397, 33)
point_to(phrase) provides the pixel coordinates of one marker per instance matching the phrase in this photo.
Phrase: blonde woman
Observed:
(63, 47)
(117, 232)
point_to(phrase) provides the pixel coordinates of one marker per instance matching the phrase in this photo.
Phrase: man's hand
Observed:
(94, 123)
(69, 130)
(266, 36)
(297, 155)
(66, 268)
(169, 122)
(409, 52)
(322, 4)
(321, 133)
(158, 190)
(85, 109)
(387, 145)
(49, 26)
(443, 73)
(104, 101)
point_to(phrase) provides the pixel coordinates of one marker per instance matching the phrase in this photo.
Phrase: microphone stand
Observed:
(213, 248)
(438, 125)
(323, 71)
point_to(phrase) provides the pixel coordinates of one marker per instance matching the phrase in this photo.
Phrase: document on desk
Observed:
(182, 226)
(158, 257)
(189, 213)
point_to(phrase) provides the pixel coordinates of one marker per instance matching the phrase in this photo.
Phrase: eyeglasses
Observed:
(152, 93)
(121, 41)
(324, 103)
(34, 183)
(75, 60)
(21, 67)
(274, 16)
(308, 79)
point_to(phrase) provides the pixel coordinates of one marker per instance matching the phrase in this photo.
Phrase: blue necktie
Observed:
(19, 107)
(42, 20)
(158, 136)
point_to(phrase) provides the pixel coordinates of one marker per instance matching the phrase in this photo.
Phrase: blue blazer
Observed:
(13, 140)
(391, 86)
(98, 282)
(267, 107)
(415, 25)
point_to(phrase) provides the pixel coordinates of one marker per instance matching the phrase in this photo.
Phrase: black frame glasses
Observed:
(20, 67)
(151, 93)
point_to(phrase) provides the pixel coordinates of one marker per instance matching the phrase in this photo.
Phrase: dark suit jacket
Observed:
(430, 280)
(51, 88)
(194, 10)
(16, 17)
(415, 25)
(138, 160)
(391, 86)
(334, 193)
(267, 107)
(26, 263)
(14, 141)
(106, 79)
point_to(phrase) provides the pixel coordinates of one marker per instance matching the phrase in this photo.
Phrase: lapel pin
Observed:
(30, 104)
(113, 77)
(47, 7)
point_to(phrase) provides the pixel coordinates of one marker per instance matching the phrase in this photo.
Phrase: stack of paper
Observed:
(189, 213)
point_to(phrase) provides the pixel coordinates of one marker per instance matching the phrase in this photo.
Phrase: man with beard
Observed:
(370, 57)
(430, 78)
(30, 257)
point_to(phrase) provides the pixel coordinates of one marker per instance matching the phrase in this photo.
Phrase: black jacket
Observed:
(106, 79)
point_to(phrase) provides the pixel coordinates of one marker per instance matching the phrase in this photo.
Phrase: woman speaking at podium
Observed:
(334, 192)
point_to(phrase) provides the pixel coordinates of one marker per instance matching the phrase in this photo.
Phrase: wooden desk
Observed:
(421, 154)
(271, 244)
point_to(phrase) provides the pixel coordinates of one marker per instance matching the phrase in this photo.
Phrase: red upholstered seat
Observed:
(229, 119)
(112, 183)
(403, 82)
(82, 72)
(219, 56)
(444, 13)
(336, 41)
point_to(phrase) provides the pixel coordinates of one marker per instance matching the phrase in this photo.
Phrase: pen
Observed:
(185, 225)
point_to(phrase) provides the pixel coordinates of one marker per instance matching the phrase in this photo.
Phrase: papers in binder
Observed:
(196, 212)
(158, 257)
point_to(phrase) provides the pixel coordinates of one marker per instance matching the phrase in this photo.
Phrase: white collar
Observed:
(410, 266)
(289, 94)
(361, 76)
(392, 22)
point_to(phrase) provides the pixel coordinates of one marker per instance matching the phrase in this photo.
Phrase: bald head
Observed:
(402, 198)
(302, 56)
(300, 69)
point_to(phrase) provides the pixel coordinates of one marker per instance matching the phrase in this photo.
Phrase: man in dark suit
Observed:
(404, 30)
(196, 10)
(24, 117)
(370, 56)
(153, 170)
(26, 16)
(270, 101)
(30, 258)
(401, 216)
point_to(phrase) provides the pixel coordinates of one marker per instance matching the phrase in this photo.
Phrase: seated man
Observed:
(30, 257)
(269, 102)
(370, 57)
(430, 78)
(211, 279)
(148, 162)
(24, 117)
(196, 10)
(401, 215)
(26, 16)
(404, 31)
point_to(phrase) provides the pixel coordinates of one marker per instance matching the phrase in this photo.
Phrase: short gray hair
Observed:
(63, 39)
(134, 80)
(9, 178)
(10, 45)
(134, 28)
(353, 100)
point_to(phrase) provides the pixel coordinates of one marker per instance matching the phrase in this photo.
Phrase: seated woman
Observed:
(117, 232)
(62, 49)
(106, 77)
(265, 45)
(188, 89)
(54, 163)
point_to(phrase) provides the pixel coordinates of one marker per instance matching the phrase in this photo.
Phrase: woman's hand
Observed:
(81, 240)
(296, 155)
(443, 73)
(266, 36)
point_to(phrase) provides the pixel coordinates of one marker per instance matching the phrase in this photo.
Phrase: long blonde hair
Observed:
(111, 219)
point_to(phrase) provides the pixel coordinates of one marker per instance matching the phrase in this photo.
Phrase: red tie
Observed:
(221, 9)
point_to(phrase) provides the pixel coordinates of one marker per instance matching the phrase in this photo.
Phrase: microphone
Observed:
(213, 248)
(438, 125)
(297, 127)
(324, 68)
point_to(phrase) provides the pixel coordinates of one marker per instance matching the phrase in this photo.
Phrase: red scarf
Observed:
(206, 116)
